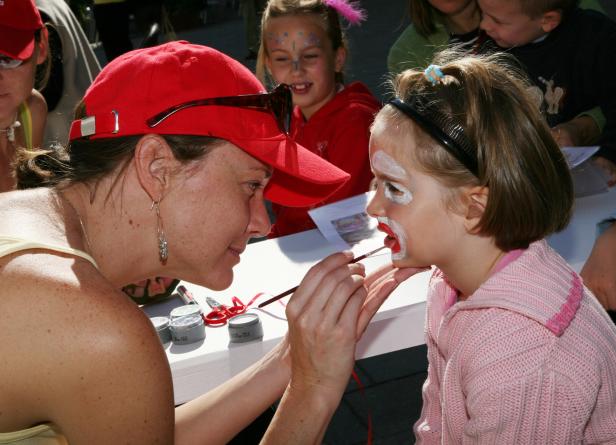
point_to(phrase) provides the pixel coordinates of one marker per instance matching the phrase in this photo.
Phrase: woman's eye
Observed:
(281, 59)
(310, 56)
(254, 186)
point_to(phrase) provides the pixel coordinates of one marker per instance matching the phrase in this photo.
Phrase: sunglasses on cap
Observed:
(6, 63)
(279, 102)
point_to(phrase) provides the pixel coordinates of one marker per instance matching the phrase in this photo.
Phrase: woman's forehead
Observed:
(239, 160)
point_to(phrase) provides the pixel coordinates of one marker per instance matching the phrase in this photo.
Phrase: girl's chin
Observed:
(407, 262)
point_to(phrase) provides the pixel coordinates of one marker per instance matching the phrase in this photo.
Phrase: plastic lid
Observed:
(242, 320)
(160, 322)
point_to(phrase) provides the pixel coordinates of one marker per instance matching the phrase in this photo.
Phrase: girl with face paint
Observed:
(463, 188)
(302, 45)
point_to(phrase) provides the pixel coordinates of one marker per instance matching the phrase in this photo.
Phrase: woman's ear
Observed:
(43, 46)
(154, 163)
(476, 200)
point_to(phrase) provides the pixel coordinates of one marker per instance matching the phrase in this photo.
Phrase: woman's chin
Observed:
(218, 282)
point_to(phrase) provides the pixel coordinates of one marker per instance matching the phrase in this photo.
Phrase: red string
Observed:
(361, 391)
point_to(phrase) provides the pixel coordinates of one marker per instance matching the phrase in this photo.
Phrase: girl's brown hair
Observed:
(530, 187)
(329, 19)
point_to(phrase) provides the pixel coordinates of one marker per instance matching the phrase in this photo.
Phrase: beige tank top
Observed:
(47, 433)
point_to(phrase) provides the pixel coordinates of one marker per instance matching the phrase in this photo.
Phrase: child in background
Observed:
(435, 24)
(520, 352)
(23, 111)
(568, 53)
(302, 45)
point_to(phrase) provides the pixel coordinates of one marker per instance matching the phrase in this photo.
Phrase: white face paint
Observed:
(394, 191)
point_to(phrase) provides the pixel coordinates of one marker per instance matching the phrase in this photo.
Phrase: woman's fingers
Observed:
(379, 289)
(319, 284)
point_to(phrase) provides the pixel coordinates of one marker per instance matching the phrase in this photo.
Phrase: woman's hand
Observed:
(322, 317)
(379, 285)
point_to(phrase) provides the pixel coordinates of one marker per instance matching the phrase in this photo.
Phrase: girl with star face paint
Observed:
(474, 193)
(303, 45)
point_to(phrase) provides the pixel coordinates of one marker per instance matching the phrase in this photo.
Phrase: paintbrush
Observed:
(293, 289)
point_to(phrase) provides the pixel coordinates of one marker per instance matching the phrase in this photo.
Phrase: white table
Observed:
(273, 266)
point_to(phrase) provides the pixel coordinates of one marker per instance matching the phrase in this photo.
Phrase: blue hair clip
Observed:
(433, 73)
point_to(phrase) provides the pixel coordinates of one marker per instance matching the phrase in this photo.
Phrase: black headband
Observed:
(445, 130)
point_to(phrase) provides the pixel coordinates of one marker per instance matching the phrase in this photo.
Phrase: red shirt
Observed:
(338, 132)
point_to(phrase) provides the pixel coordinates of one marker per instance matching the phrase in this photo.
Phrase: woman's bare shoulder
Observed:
(77, 347)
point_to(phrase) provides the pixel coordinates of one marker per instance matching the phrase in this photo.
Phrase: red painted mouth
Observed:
(391, 240)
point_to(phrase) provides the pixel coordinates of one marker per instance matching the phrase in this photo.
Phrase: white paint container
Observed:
(187, 329)
(245, 327)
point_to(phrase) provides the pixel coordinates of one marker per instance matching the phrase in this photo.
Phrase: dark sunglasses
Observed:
(279, 102)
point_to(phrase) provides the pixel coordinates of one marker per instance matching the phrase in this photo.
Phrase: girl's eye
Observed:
(391, 188)
(310, 56)
(281, 59)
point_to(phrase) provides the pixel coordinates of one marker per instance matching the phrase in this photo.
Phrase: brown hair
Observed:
(329, 19)
(536, 8)
(423, 17)
(87, 161)
(530, 187)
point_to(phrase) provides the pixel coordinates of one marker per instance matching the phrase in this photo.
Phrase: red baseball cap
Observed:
(19, 20)
(141, 83)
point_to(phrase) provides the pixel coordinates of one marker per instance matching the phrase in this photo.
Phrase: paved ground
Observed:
(392, 382)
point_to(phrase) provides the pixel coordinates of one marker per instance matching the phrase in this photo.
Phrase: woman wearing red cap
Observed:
(169, 161)
(23, 112)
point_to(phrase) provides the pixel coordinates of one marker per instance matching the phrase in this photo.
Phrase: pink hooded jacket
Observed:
(529, 358)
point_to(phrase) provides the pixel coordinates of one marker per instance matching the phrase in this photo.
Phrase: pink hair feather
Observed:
(349, 10)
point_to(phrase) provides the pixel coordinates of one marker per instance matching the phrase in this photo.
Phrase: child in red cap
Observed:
(171, 156)
(23, 111)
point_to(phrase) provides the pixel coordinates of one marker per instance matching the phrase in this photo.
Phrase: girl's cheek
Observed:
(401, 237)
(402, 196)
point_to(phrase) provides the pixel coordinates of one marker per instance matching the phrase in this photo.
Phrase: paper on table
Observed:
(577, 155)
(345, 224)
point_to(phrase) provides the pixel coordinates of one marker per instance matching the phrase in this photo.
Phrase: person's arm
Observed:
(579, 131)
(312, 366)
(599, 271)
(512, 384)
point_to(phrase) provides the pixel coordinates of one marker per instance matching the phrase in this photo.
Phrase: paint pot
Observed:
(187, 329)
(245, 327)
(185, 311)
(161, 324)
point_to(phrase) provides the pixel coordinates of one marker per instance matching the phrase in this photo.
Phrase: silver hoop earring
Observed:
(163, 249)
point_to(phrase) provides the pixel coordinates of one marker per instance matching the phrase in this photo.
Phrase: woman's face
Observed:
(409, 204)
(214, 209)
(300, 54)
(16, 83)
(450, 7)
